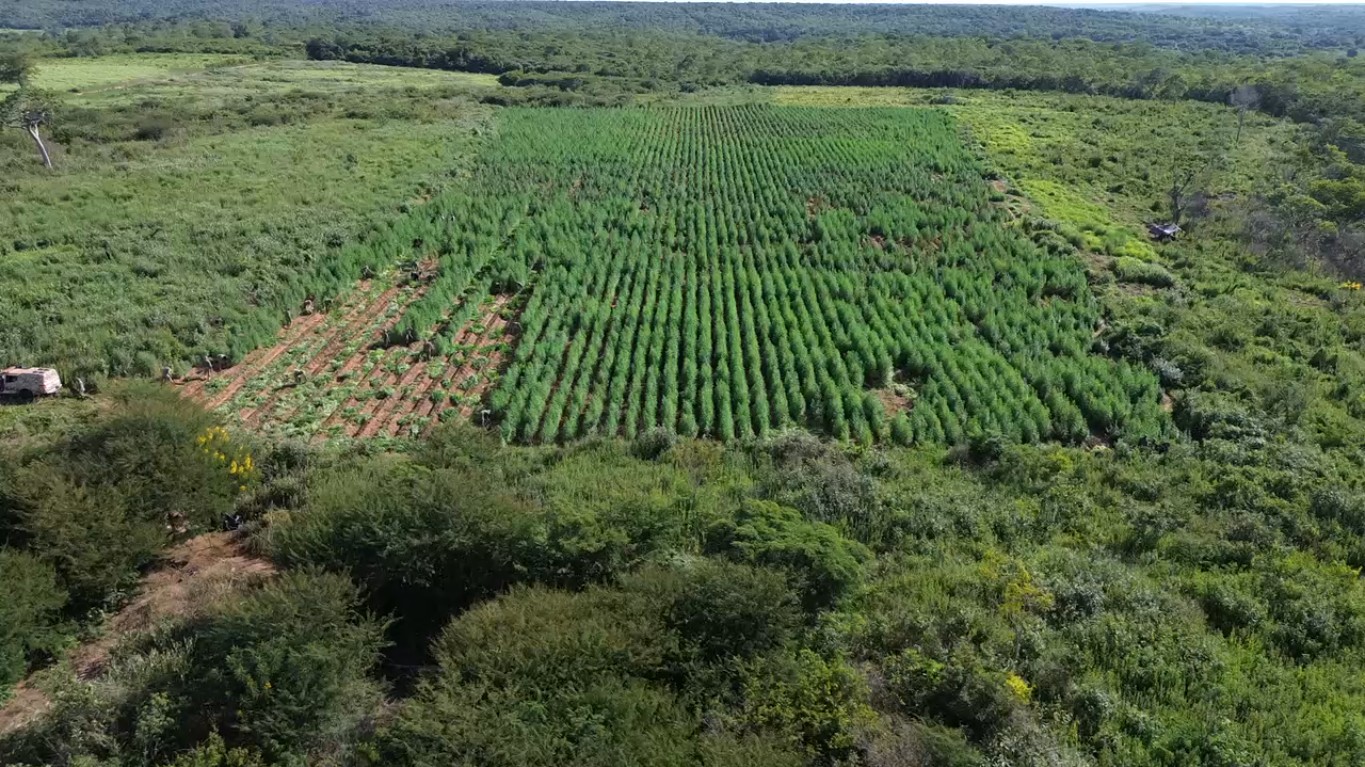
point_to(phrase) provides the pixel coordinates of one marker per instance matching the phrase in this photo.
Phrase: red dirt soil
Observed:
(257, 361)
(262, 391)
(352, 323)
(387, 417)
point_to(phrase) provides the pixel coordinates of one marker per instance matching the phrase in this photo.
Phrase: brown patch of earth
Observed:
(896, 399)
(193, 574)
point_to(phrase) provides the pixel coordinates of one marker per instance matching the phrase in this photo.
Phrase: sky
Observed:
(1076, 3)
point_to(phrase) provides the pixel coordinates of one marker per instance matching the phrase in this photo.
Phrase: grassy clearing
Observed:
(206, 80)
(169, 231)
(105, 71)
(224, 84)
(1100, 166)
(144, 260)
(1115, 152)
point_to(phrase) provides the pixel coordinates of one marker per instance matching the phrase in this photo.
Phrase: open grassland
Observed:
(170, 232)
(733, 271)
(205, 80)
(239, 79)
(129, 267)
(79, 74)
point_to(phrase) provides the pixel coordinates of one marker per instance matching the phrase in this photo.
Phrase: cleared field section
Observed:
(336, 373)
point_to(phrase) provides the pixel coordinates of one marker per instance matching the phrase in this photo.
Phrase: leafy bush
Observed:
(94, 536)
(29, 613)
(285, 669)
(428, 543)
(215, 753)
(822, 563)
(541, 677)
(1131, 269)
(819, 703)
(960, 692)
(653, 443)
(716, 612)
(819, 481)
(153, 451)
(277, 673)
(545, 677)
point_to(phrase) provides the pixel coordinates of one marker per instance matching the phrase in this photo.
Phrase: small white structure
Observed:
(29, 382)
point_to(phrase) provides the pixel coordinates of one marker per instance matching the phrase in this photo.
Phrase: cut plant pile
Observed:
(333, 374)
(194, 574)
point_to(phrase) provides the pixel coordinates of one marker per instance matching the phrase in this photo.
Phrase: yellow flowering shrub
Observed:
(1018, 687)
(216, 443)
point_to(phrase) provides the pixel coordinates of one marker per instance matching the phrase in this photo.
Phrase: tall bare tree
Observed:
(1189, 175)
(27, 107)
(1243, 98)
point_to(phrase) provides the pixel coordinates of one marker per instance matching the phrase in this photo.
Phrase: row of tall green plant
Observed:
(731, 272)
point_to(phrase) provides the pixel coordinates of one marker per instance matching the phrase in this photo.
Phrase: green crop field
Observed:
(730, 271)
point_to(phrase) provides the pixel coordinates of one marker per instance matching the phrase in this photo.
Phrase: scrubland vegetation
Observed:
(727, 424)
(667, 601)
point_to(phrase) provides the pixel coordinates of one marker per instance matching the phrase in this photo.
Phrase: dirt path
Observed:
(192, 575)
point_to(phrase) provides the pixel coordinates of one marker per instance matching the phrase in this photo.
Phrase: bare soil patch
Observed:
(329, 374)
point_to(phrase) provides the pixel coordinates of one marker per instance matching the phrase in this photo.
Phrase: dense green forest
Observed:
(1242, 29)
(752, 385)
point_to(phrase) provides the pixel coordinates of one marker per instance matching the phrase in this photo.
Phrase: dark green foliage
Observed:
(818, 703)
(426, 542)
(717, 612)
(1248, 29)
(540, 677)
(264, 677)
(215, 753)
(820, 481)
(653, 443)
(959, 692)
(102, 502)
(823, 564)
(285, 668)
(84, 508)
(29, 613)
(150, 452)
(95, 537)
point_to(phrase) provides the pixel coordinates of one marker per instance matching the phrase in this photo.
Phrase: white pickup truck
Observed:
(28, 383)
